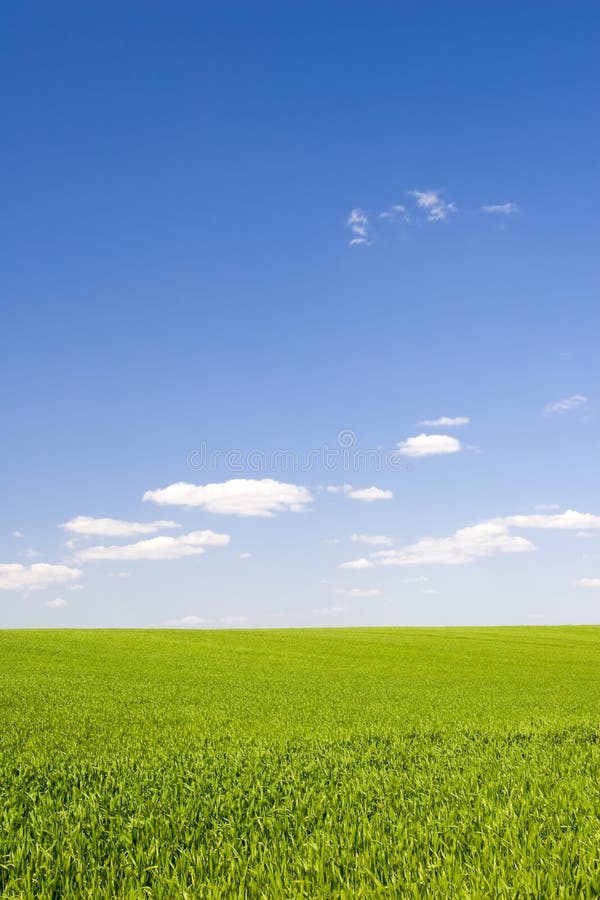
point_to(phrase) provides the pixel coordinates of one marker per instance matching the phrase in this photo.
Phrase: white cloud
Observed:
(186, 621)
(358, 223)
(191, 544)
(56, 604)
(329, 611)
(575, 401)
(418, 579)
(17, 577)
(436, 209)
(367, 495)
(446, 421)
(245, 555)
(361, 563)
(464, 546)
(358, 592)
(114, 527)
(569, 520)
(588, 582)
(500, 209)
(395, 212)
(543, 507)
(18, 535)
(237, 497)
(429, 445)
(370, 494)
(374, 539)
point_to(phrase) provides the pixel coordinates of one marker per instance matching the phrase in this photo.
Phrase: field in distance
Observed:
(376, 762)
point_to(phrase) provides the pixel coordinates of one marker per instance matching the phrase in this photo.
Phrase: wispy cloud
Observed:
(395, 212)
(429, 445)
(435, 207)
(86, 525)
(500, 209)
(367, 495)
(192, 544)
(588, 582)
(446, 422)
(58, 603)
(187, 621)
(570, 520)
(374, 539)
(557, 407)
(361, 563)
(237, 497)
(464, 546)
(358, 223)
(358, 592)
(17, 577)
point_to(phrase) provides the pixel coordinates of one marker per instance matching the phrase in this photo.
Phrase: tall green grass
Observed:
(443, 763)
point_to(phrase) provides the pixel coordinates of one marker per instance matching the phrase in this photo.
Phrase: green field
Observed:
(351, 763)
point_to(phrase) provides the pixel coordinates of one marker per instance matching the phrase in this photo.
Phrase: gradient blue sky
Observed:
(178, 279)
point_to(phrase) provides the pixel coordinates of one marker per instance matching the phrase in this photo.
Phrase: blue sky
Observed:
(237, 229)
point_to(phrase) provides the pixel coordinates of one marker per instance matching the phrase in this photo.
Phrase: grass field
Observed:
(406, 763)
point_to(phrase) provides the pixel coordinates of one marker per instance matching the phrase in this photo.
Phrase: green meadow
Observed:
(350, 763)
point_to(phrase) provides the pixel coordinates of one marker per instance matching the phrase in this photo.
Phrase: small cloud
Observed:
(329, 611)
(236, 497)
(430, 591)
(18, 535)
(374, 539)
(500, 209)
(395, 212)
(36, 577)
(570, 520)
(245, 555)
(120, 574)
(358, 223)
(367, 495)
(446, 421)
(546, 507)
(56, 604)
(587, 582)
(358, 592)
(557, 407)
(416, 580)
(87, 525)
(186, 621)
(429, 445)
(584, 534)
(436, 209)
(361, 563)
(464, 546)
(191, 544)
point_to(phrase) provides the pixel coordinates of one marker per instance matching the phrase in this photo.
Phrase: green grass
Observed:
(442, 763)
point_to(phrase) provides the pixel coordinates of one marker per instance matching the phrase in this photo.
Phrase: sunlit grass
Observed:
(435, 763)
